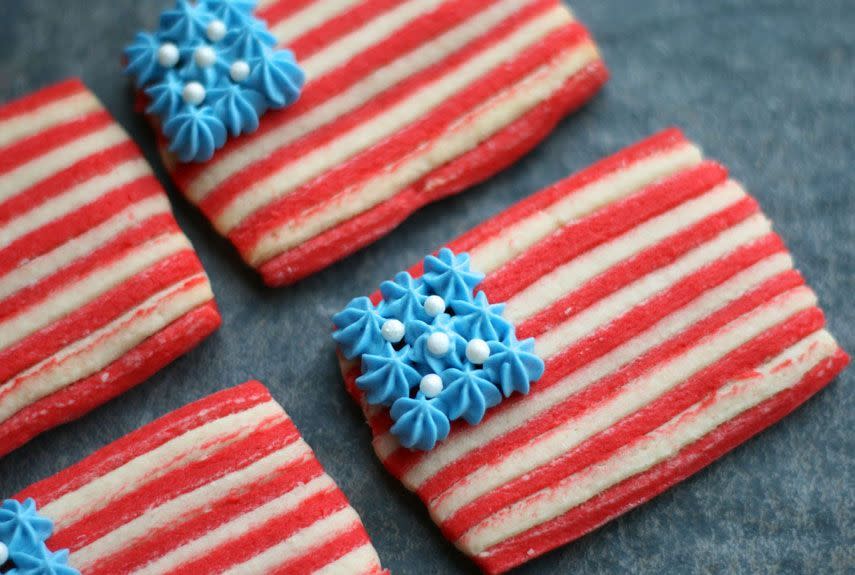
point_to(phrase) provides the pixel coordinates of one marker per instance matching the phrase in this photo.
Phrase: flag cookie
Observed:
(99, 288)
(672, 326)
(402, 103)
(223, 485)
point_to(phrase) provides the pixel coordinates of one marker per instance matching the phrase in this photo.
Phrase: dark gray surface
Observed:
(766, 87)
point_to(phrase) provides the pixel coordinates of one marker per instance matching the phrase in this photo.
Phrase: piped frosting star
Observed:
(419, 422)
(468, 393)
(480, 319)
(449, 276)
(387, 376)
(359, 329)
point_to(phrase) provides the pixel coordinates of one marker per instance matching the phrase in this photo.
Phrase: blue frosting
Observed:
(419, 422)
(195, 133)
(392, 371)
(230, 104)
(24, 532)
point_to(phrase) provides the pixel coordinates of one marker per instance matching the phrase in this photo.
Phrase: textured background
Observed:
(767, 87)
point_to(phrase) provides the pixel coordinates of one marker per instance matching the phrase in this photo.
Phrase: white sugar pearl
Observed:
(392, 330)
(431, 385)
(205, 56)
(194, 93)
(239, 71)
(4, 551)
(216, 30)
(477, 351)
(438, 343)
(167, 55)
(434, 305)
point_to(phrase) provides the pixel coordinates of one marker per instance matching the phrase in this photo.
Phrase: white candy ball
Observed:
(239, 71)
(4, 551)
(431, 385)
(438, 343)
(205, 56)
(434, 305)
(167, 55)
(194, 93)
(392, 330)
(477, 351)
(216, 30)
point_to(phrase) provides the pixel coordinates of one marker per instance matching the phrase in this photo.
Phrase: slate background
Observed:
(766, 87)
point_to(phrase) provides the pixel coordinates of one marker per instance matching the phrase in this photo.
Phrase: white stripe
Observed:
(193, 445)
(632, 397)
(99, 349)
(575, 273)
(39, 268)
(47, 116)
(781, 373)
(72, 199)
(49, 164)
(73, 296)
(518, 237)
(467, 133)
(238, 526)
(298, 544)
(188, 504)
(469, 439)
(308, 18)
(229, 162)
(388, 122)
(360, 561)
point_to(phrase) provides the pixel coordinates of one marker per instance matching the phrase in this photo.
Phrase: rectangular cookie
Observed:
(404, 103)
(672, 325)
(223, 485)
(99, 288)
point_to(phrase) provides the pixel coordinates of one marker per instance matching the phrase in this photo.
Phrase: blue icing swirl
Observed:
(418, 332)
(514, 365)
(468, 393)
(481, 319)
(184, 22)
(195, 133)
(238, 108)
(359, 327)
(249, 41)
(44, 562)
(404, 298)
(143, 64)
(419, 422)
(166, 95)
(231, 12)
(387, 376)
(22, 527)
(449, 276)
(278, 77)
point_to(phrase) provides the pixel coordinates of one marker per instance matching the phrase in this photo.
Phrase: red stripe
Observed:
(77, 399)
(30, 102)
(327, 553)
(315, 194)
(57, 232)
(645, 486)
(280, 10)
(97, 313)
(319, 90)
(151, 436)
(242, 548)
(602, 445)
(630, 324)
(142, 498)
(98, 164)
(51, 139)
(600, 227)
(489, 157)
(158, 226)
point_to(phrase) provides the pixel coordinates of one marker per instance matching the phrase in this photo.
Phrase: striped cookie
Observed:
(223, 485)
(98, 286)
(405, 102)
(673, 327)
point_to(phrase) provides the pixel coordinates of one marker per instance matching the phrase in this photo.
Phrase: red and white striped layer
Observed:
(405, 102)
(223, 485)
(673, 327)
(98, 286)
